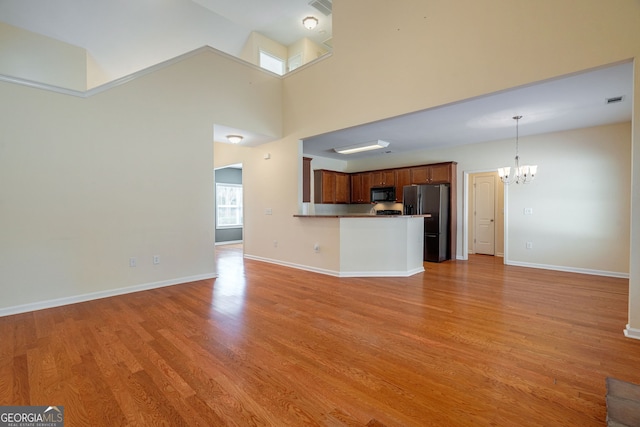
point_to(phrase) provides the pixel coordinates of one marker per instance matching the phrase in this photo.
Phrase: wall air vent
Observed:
(324, 6)
(614, 99)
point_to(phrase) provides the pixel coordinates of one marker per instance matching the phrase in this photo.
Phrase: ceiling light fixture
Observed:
(310, 22)
(235, 139)
(375, 145)
(521, 174)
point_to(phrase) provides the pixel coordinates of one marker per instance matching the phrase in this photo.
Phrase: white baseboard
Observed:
(229, 242)
(338, 273)
(58, 302)
(292, 265)
(382, 273)
(570, 269)
(630, 332)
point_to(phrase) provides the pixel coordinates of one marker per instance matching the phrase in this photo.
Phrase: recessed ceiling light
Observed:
(367, 146)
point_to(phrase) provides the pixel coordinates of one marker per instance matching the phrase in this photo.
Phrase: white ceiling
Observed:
(124, 36)
(571, 102)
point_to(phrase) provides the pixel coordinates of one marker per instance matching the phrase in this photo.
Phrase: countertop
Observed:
(360, 216)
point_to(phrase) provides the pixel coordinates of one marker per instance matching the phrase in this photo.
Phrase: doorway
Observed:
(229, 202)
(485, 214)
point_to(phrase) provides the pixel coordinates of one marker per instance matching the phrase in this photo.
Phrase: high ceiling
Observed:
(125, 36)
(567, 103)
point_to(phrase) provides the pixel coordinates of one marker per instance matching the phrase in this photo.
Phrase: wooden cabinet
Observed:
(343, 188)
(440, 173)
(306, 179)
(331, 187)
(340, 187)
(385, 178)
(361, 187)
(403, 177)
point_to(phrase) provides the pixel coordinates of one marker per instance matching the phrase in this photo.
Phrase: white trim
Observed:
(605, 273)
(125, 79)
(293, 265)
(229, 242)
(465, 217)
(630, 332)
(338, 273)
(382, 273)
(58, 302)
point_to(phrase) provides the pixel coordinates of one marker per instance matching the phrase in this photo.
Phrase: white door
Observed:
(484, 218)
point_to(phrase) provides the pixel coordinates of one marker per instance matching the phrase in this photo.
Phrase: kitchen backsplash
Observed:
(353, 209)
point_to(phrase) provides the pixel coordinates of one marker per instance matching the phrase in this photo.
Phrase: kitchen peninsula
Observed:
(373, 245)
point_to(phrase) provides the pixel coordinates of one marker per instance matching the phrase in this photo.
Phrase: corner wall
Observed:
(88, 184)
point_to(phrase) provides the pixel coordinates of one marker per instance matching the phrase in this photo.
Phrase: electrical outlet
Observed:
(316, 247)
(268, 211)
(275, 243)
(156, 259)
(529, 245)
(132, 262)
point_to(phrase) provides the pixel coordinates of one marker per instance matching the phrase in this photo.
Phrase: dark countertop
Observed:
(360, 216)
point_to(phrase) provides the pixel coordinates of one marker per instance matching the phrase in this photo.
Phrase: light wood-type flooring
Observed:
(467, 343)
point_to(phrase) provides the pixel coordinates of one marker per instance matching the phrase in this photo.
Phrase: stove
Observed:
(388, 212)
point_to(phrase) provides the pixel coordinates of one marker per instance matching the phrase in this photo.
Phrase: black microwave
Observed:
(383, 194)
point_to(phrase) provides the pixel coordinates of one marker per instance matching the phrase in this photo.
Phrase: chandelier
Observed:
(521, 174)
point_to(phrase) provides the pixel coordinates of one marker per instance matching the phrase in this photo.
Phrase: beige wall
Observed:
(90, 183)
(256, 43)
(458, 50)
(451, 51)
(41, 59)
(309, 50)
(580, 198)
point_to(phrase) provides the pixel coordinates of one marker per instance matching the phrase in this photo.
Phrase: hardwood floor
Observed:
(464, 344)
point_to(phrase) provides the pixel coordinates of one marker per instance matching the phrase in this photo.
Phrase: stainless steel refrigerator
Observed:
(433, 201)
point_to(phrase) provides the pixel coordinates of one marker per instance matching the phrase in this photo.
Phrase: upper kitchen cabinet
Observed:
(439, 173)
(384, 178)
(331, 187)
(403, 177)
(361, 187)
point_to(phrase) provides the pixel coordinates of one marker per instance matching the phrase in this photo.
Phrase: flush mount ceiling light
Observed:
(235, 139)
(521, 174)
(375, 145)
(310, 22)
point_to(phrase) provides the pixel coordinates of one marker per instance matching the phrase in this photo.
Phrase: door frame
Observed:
(473, 213)
(466, 195)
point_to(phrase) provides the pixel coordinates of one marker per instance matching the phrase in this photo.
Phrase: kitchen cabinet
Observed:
(403, 177)
(361, 187)
(331, 187)
(306, 179)
(384, 178)
(343, 188)
(439, 173)
(340, 187)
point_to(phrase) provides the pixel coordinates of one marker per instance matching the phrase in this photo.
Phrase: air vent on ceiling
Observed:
(328, 42)
(324, 6)
(614, 99)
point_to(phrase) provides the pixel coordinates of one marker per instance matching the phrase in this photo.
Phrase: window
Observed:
(271, 63)
(228, 205)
